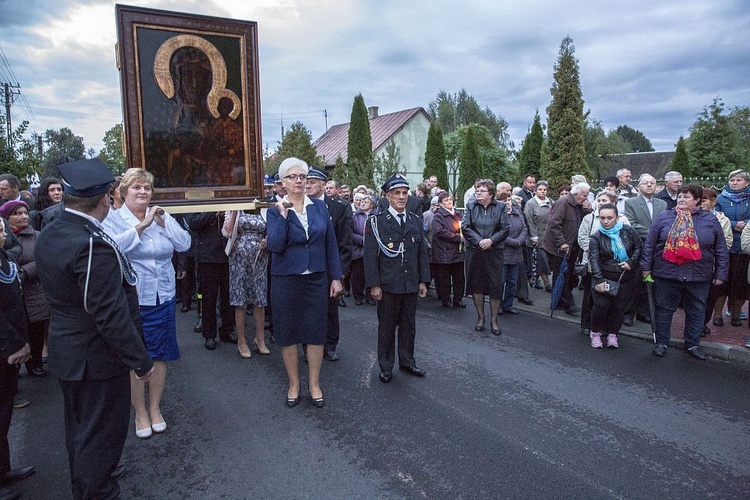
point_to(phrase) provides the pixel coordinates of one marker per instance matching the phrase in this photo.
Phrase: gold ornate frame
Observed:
(191, 106)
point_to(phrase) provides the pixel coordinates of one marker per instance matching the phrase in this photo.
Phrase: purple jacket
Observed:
(358, 232)
(714, 262)
(446, 237)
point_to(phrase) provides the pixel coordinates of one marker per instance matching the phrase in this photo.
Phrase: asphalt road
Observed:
(535, 413)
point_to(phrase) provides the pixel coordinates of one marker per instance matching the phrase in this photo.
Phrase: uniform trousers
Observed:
(213, 279)
(97, 415)
(396, 310)
(8, 385)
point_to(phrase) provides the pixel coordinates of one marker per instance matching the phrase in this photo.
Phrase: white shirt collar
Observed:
(85, 216)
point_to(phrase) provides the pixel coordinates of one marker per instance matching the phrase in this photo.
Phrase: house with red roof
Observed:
(407, 129)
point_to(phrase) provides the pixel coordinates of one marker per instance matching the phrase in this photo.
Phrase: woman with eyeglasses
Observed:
(485, 226)
(305, 260)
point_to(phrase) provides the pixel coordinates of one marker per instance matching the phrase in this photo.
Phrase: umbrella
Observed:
(534, 276)
(560, 283)
(651, 305)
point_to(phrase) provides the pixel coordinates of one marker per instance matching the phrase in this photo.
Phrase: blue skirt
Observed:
(160, 331)
(300, 308)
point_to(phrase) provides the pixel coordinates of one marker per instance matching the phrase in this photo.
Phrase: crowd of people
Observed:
(102, 306)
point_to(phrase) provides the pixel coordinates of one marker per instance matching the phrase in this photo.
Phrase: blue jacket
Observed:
(714, 262)
(294, 252)
(735, 212)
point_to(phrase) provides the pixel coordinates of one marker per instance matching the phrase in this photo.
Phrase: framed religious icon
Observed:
(191, 105)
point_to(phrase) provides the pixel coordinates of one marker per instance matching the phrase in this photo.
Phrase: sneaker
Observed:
(747, 343)
(743, 315)
(596, 340)
(612, 341)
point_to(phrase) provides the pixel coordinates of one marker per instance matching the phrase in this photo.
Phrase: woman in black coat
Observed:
(448, 253)
(614, 251)
(485, 227)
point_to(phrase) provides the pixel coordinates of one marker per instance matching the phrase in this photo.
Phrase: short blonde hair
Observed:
(134, 174)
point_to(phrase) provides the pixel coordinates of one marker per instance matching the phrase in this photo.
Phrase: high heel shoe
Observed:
(479, 326)
(318, 402)
(142, 433)
(495, 331)
(245, 354)
(263, 351)
(292, 402)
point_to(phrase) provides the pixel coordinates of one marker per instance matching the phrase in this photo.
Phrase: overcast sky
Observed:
(651, 65)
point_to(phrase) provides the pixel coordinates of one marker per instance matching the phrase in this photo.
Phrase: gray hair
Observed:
(622, 171)
(577, 188)
(646, 176)
(291, 163)
(671, 175)
(609, 194)
(577, 179)
(740, 172)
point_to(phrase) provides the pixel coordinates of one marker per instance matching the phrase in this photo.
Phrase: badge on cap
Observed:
(395, 181)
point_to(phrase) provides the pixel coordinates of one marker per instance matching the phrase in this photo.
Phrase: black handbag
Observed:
(611, 287)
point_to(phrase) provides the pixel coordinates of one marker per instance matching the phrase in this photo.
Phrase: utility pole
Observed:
(10, 91)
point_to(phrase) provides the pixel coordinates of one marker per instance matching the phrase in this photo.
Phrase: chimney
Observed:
(372, 112)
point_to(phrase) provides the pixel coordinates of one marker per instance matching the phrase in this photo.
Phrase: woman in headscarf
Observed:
(685, 251)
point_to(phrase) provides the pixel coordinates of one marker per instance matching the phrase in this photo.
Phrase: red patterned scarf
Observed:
(682, 245)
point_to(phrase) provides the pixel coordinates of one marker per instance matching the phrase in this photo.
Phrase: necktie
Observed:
(401, 220)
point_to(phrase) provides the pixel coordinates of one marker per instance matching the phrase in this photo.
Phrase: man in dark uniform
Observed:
(341, 218)
(397, 270)
(213, 277)
(95, 334)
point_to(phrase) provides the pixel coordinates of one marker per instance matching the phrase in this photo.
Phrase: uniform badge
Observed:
(390, 244)
(413, 240)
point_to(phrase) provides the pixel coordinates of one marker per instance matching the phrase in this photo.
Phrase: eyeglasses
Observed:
(296, 177)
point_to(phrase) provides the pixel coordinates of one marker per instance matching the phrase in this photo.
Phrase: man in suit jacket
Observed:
(672, 184)
(397, 270)
(95, 335)
(640, 211)
(341, 218)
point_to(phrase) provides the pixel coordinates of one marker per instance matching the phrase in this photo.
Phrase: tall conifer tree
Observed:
(434, 156)
(566, 152)
(531, 151)
(359, 160)
(681, 159)
(470, 162)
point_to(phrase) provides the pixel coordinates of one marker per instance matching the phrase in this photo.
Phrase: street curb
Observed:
(726, 352)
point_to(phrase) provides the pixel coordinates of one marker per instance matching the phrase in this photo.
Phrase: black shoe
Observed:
(627, 321)
(736, 322)
(358, 302)
(718, 321)
(272, 339)
(512, 310)
(643, 319)
(660, 350)
(198, 325)
(496, 331)
(372, 302)
(448, 304)
(413, 370)
(10, 493)
(292, 402)
(459, 304)
(695, 352)
(210, 344)
(230, 339)
(20, 402)
(341, 302)
(14, 475)
(38, 372)
(386, 376)
(706, 331)
(548, 288)
(332, 356)
(185, 309)
(347, 293)
(524, 300)
(318, 402)
(585, 331)
(119, 471)
(572, 310)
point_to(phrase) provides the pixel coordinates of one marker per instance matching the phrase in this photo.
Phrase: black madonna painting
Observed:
(191, 103)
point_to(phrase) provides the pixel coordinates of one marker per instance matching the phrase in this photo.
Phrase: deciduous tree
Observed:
(22, 159)
(296, 143)
(111, 154)
(637, 140)
(387, 164)
(451, 111)
(62, 146)
(714, 147)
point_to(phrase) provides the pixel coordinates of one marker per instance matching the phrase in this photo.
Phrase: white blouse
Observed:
(150, 253)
